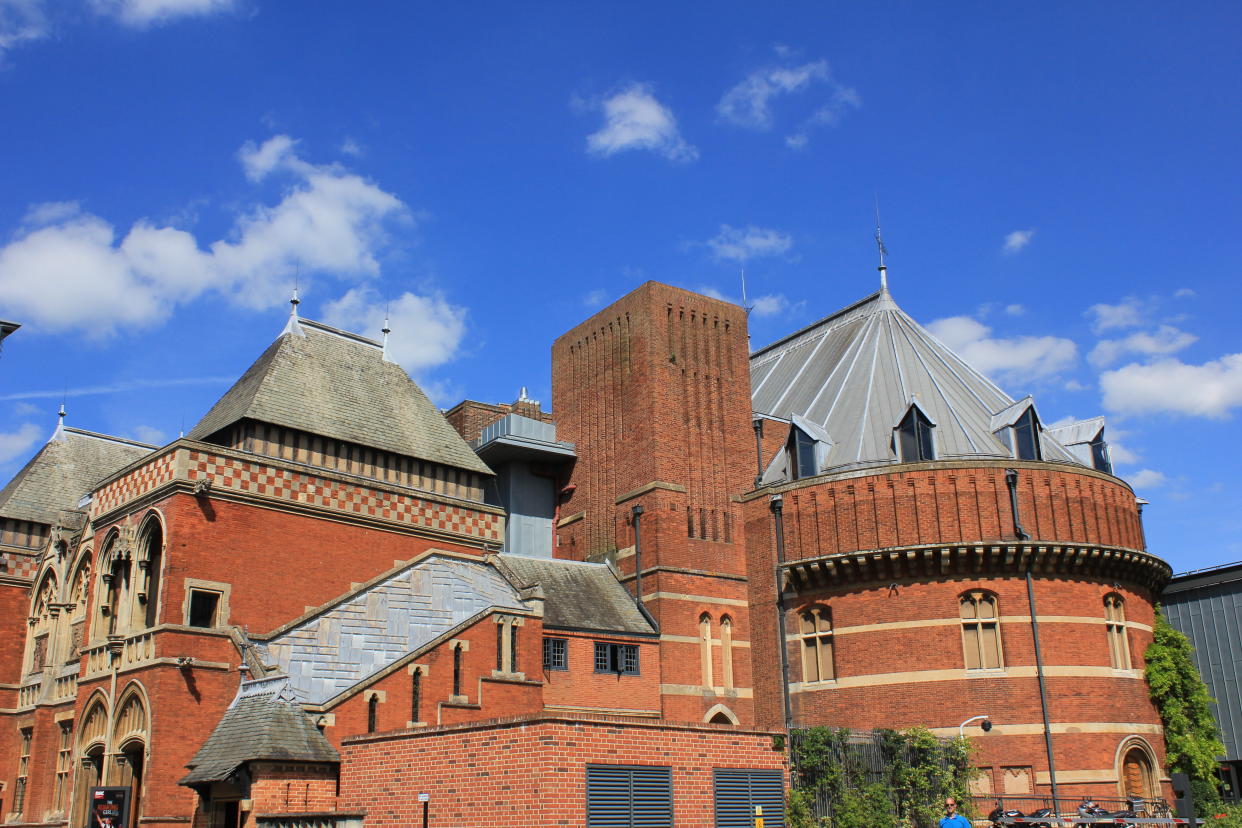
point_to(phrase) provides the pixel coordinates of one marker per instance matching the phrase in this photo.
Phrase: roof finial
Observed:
(292, 326)
(879, 242)
(522, 395)
(386, 331)
(59, 434)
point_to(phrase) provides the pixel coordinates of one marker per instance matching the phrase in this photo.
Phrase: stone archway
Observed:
(1136, 770)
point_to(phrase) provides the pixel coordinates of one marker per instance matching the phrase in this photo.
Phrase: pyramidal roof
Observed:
(325, 381)
(855, 374)
(63, 471)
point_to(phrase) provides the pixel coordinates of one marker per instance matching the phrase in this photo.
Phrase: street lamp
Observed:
(986, 726)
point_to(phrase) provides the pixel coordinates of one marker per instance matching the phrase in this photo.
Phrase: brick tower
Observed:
(652, 391)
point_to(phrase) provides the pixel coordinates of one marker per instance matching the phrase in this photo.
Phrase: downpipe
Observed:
(777, 505)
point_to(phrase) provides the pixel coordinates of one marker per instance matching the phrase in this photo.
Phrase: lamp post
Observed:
(987, 725)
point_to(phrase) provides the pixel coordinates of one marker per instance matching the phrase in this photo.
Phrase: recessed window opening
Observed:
(621, 659)
(23, 771)
(981, 641)
(372, 712)
(705, 649)
(914, 437)
(457, 670)
(1026, 436)
(1115, 623)
(555, 656)
(416, 694)
(801, 449)
(513, 648)
(815, 630)
(204, 604)
(1100, 458)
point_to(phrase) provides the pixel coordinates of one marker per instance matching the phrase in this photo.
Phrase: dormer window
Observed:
(801, 448)
(1100, 458)
(913, 437)
(1026, 436)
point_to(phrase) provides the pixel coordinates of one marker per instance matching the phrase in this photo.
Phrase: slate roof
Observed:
(856, 372)
(329, 382)
(577, 595)
(66, 468)
(1077, 437)
(380, 622)
(264, 721)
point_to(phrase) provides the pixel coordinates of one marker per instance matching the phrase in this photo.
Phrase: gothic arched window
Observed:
(1115, 624)
(981, 641)
(815, 632)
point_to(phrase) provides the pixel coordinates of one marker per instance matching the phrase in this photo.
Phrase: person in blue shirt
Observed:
(952, 819)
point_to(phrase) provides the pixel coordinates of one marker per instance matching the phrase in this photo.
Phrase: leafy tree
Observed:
(1191, 736)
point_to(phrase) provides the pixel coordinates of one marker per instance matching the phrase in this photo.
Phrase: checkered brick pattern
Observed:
(15, 565)
(227, 473)
(138, 482)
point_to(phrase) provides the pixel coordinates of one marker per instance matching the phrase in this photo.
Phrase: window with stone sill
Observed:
(815, 634)
(1115, 625)
(981, 640)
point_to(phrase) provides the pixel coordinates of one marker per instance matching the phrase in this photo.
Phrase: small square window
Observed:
(555, 656)
(203, 606)
(621, 659)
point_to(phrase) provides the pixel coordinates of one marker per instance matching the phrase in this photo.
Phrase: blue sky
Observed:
(1059, 187)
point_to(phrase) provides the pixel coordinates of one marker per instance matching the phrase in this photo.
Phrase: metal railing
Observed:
(1154, 812)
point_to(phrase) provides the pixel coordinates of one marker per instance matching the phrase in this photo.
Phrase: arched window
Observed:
(1026, 436)
(1137, 774)
(457, 669)
(726, 651)
(705, 649)
(41, 625)
(114, 602)
(372, 712)
(1115, 624)
(913, 436)
(815, 631)
(129, 734)
(981, 640)
(73, 630)
(150, 562)
(92, 735)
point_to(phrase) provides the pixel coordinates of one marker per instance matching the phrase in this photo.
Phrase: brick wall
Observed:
(281, 788)
(469, 417)
(532, 771)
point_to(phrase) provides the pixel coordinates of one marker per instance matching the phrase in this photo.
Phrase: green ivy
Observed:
(1191, 737)
(903, 782)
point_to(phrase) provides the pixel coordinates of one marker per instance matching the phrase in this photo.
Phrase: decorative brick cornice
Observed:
(938, 562)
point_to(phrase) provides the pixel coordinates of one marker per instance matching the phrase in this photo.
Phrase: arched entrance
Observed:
(1136, 774)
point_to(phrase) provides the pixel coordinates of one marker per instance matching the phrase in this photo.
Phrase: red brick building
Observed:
(329, 597)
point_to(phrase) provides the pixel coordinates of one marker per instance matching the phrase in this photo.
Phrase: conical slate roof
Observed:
(855, 374)
(335, 384)
(63, 471)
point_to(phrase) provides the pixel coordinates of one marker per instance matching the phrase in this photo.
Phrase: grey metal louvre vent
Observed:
(737, 792)
(629, 796)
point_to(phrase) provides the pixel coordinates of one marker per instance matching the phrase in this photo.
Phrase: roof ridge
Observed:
(109, 437)
(836, 316)
(341, 332)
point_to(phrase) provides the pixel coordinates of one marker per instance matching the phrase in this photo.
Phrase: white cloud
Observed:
(49, 212)
(1018, 359)
(772, 304)
(1128, 313)
(740, 244)
(749, 103)
(1121, 455)
(1164, 340)
(143, 13)
(1017, 240)
(14, 444)
(1184, 293)
(596, 298)
(1015, 310)
(1146, 478)
(1170, 386)
(635, 120)
(21, 21)
(149, 434)
(75, 274)
(427, 331)
(351, 147)
(25, 409)
(259, 160)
